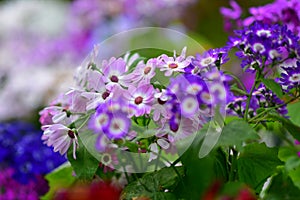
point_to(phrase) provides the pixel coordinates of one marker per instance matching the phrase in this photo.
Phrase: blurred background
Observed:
(43, 41)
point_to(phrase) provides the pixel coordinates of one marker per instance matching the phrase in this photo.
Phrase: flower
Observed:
(174, 64)
(259, 42)
(60, 137)
(143, 73)
(114, 73)
(140, 99)
(22, 150)
(261, 98)
(290, 77)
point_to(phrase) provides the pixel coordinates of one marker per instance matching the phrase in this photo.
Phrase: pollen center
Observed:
(173, 65)
(105, 95)
(71, 134)
(138, 100)
(114, 79)
(147, 70)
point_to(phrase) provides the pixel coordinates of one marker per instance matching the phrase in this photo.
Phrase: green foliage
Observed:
(281, 187)
(292, 163)
(153, 185)
(293, 112)
(256, 164)
(293, 129)
(85, 165)
(58, 179)
(235, 133)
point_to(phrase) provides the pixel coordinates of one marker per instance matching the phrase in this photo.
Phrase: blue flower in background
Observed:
(22, 149)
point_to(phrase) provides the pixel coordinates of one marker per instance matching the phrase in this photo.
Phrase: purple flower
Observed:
(143, 73)
(210, 58)
(231, 14)
(261, 98)
(60, 137)
(140, 99)
(110, 119)
(114, 73)
(271, 43)
(174, 64)
(290, 77)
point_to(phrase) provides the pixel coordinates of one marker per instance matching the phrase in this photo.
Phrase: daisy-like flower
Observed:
(140, 99)
(60, 137)
(174, 64)
(111, 119)
(290, 77)
(159, 107)
(144, 72)
(114, 72)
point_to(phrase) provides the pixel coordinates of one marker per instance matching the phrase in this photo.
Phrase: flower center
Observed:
(116, 126)
(161, 102)
(173, 65)
(138, 100)
(114, 79)
(207, 61)
(147, 70)
(296, 77)
(105, 95)
(71, 134)
(106, 159)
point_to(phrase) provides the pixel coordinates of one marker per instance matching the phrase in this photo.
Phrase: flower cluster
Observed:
(175, 94)
(260, 45)
(279, 12)
(22, 150)
(12, 189)
(262, 98)
(290, 77)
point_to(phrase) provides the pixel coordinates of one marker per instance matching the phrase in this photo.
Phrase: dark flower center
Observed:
(295, 77)
(105, 95)
(71, 134)
(161, 102)
(147, 70)
(138, 100)
(114, 79)
(173, 65)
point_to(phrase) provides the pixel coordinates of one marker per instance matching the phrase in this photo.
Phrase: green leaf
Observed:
(256, 163)
(282, 187)
(201, 173)
(293, 112)
(142, 120)
(59, 179)
(293, 129)
(273, 86)
(152, 185)
(85, 165)
(235, 133)
(292, 163)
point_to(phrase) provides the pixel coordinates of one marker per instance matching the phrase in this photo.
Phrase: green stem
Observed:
(236, 79)
(269, 109)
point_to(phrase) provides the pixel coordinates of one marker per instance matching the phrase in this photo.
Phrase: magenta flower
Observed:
(174, 64)
(140, 99)
(144, 72)
(111, 119)
(114, 73)
(60, 137)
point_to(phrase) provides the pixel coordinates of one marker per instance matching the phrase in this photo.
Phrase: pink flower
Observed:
(174, 64)
(60, 137)
(143, 72)
(140, 99)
